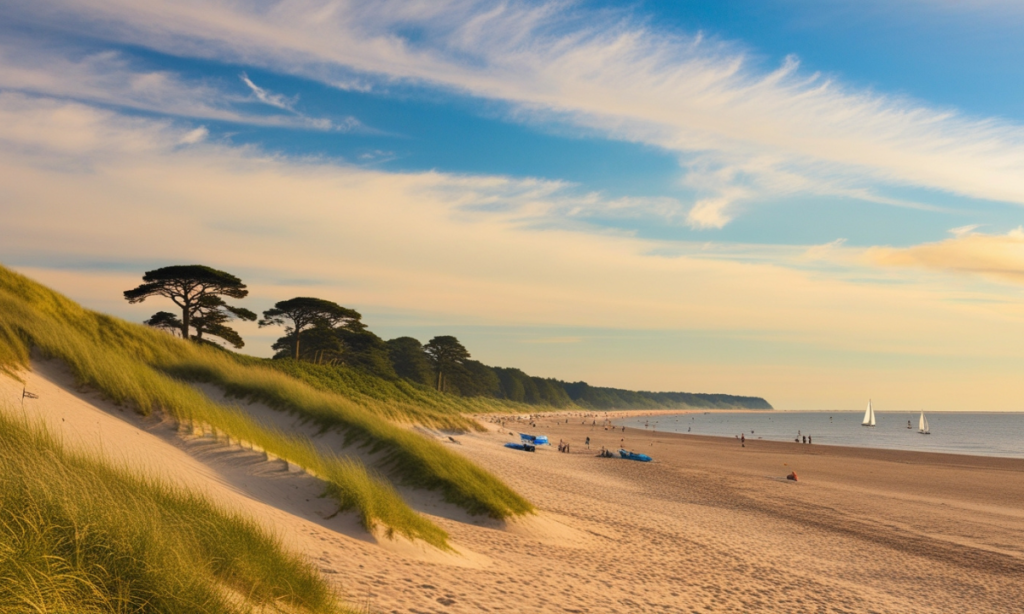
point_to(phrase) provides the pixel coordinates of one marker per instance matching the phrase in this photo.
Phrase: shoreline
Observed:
(708, 526)
(543, 419)
(950, 459)
(723, 529)
(616, 413)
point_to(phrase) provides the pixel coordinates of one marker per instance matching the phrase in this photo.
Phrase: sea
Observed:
(973, 433)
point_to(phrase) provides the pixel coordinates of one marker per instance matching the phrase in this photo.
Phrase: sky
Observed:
(814, 202)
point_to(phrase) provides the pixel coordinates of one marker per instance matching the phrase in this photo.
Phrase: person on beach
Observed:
(805, 438)
(743, 441)
(588, 443)
(808, 439)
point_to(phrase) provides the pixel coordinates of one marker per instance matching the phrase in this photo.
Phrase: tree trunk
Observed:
(297, 343)
(186, 320)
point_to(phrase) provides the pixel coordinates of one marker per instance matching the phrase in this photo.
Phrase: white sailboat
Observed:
(922, 425)
(869, 416)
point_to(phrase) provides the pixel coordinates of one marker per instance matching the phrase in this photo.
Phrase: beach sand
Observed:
(708, 527)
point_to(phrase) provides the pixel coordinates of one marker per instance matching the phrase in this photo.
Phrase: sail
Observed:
(869, 416)
(922, 424)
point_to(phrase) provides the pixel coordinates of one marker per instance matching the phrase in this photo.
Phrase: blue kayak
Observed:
(526, 447)
(643, 458)
(537, 440)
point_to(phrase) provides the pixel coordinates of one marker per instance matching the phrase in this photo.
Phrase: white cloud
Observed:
(770, 133)
(280, 101)
(709, 213)
(194, 136)
(464, 246)
(824, 252)
(110, 78)
(442, 247)
(275, 100)
(964, 230)
(998, 257)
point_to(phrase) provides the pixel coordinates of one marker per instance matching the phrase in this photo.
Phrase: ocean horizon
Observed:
(970, 433)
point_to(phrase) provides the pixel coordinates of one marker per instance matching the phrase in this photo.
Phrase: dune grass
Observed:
(404, 399)
(109, 368)
(78, 535)
(414, 459)
(132, 364)
(400, 401)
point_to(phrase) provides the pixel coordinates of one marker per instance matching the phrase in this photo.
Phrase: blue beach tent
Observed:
(643, 458)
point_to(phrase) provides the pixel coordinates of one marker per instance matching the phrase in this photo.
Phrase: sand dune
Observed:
(708, 527)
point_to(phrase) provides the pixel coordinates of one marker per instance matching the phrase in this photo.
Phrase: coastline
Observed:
(579, 432)
(707, 526)
(614, 413)
(968, 439)
(719, 528)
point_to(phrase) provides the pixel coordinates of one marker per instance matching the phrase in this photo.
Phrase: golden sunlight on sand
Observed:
(709, 526)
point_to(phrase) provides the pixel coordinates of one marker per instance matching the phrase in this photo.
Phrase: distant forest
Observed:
(321, 332)
(407, 358)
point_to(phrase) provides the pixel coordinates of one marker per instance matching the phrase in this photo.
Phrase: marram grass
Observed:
(78, 535)
(416, 460)
(133, 364)
(125, 380)
(399, 400)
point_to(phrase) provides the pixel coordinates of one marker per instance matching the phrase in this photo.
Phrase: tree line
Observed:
(323, 332)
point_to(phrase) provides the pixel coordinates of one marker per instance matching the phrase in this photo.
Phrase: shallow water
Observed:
(979, 434)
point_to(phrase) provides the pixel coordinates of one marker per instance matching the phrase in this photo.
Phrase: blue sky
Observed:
(664, 195)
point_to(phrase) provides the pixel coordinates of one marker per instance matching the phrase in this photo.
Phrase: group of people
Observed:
(800, 439)
(563, 446)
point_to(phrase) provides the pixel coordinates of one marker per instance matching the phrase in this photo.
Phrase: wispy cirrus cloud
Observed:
(743, 133)
(465, 246)
(285, 103)
(275, 100)
(111, 78)
(84, 185)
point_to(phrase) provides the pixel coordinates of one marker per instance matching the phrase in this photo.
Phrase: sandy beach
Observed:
(709, 527)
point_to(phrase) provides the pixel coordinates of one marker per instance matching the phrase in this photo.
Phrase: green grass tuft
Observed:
(77, 535)
(109, 355)
(133, 364)
(398, 400)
